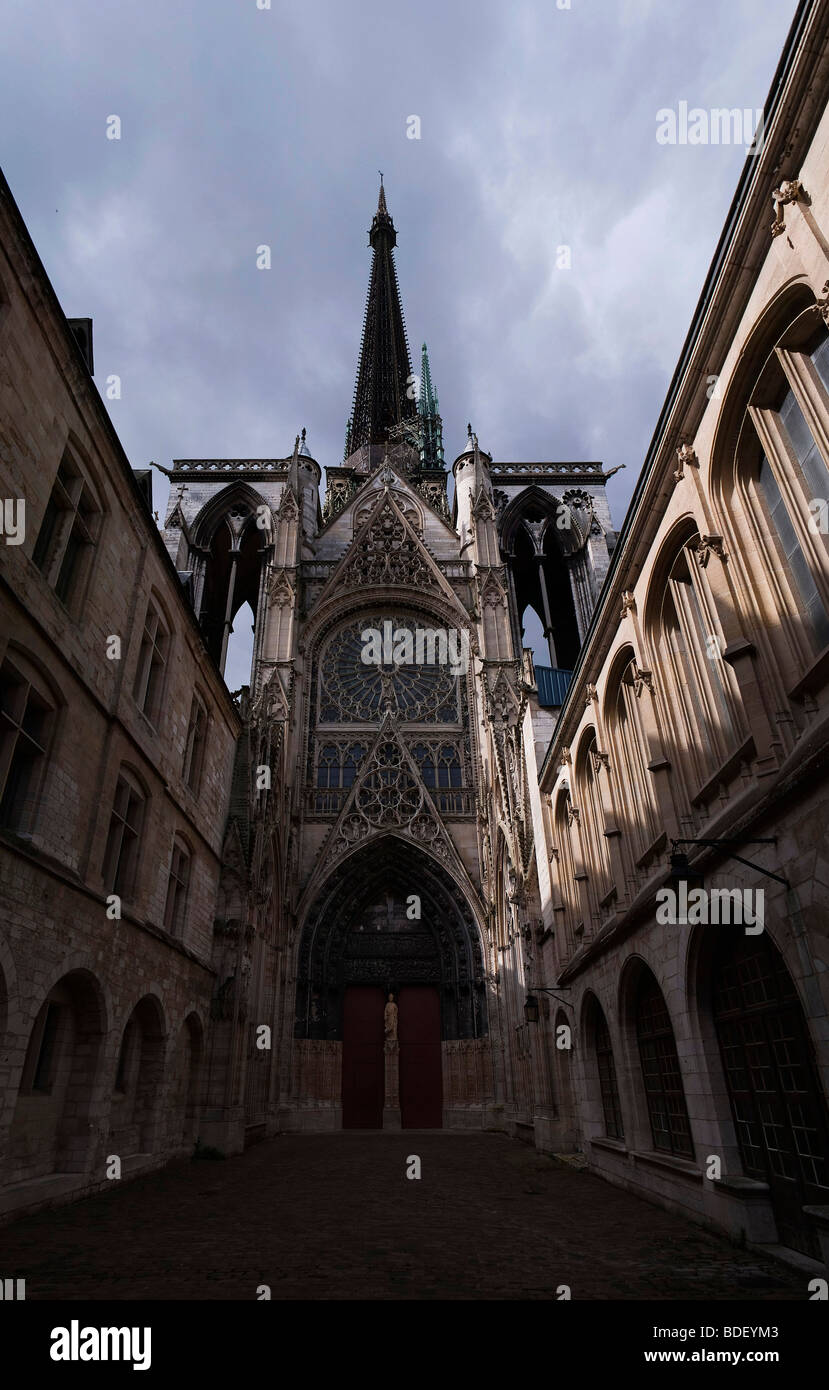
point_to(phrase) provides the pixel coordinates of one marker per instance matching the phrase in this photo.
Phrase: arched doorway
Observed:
(777, 1105)
(52, 1131)
(390, 920)
(139, 1073)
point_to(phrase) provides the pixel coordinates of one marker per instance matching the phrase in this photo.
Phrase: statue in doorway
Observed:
(390, 1020)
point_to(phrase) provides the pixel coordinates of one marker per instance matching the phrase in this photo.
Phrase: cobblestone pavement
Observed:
(334, 1217)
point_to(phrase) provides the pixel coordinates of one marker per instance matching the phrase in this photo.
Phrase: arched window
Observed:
(633, 779)
(120, 870)
(178, 883)
(588, 769)
(68, 533)
(568, 905)
(337, 765)
(783, 475)
(27, 719)
(195, 744)
(440, 766)
(670, 1127)
(701, 706)
(151, 670)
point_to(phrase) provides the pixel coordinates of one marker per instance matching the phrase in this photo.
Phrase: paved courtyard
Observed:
(335, 1217)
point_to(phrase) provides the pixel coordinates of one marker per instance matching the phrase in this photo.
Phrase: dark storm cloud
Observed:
(243, 127)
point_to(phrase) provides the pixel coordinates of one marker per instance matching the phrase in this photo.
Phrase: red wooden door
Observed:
(421, 1081)
(363, 1059)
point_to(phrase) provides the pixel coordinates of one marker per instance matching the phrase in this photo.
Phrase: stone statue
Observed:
(390, 1020)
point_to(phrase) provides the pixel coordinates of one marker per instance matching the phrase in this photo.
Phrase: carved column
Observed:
(391, 1101)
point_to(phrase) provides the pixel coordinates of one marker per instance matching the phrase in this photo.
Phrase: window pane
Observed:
(808, 455)
(69, 566)
(802, 575)
(43, 545)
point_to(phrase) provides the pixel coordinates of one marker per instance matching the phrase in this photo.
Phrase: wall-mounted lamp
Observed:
(531, 1003)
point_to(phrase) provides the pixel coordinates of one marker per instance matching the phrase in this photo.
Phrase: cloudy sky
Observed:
(243, 127)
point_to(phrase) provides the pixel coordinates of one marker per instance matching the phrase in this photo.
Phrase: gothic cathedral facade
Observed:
(381, 836)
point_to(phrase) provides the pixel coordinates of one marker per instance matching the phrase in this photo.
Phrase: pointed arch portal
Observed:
(359, 933)
(389, 921)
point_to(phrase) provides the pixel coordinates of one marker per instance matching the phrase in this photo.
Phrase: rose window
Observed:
(353, 691)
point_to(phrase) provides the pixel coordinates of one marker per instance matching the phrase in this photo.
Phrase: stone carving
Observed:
(822, 304)
(491, 591)
(581, 521)
(288, 506)
(388, 554)
(390, 1020)
(599, 760)
(641, 680)
(402, 501)
(279, 588)
(504, 702)
(707, 546)
(434, 493)
(536, 531)
(337, 494)
(789, 191)
(388, 793)
(482, 507)
(686, 456)
(628, 604)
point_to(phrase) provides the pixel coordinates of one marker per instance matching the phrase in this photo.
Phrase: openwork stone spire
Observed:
(381, 396)
(431, 447)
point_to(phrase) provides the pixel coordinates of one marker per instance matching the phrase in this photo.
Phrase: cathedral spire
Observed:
(383, 396)
(431, 425)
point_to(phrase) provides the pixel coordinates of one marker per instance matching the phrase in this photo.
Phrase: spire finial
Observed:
(382, 394)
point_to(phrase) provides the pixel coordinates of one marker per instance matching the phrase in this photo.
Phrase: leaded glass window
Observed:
(354, 691)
